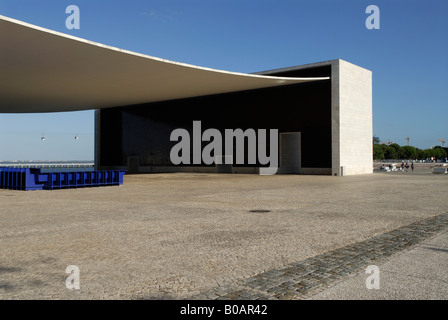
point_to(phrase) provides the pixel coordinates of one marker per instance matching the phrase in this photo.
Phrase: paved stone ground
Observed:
(419, 272)
(180, 236)
(302, 279)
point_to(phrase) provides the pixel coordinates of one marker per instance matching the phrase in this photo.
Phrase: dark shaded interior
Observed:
(144, 130)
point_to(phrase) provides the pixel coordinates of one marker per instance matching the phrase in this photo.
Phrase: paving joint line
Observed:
(299, 280)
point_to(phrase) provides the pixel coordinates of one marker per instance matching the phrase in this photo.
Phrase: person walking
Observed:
(407, 167)
(412, 166)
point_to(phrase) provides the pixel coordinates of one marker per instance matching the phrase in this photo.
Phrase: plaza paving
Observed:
(193, 236)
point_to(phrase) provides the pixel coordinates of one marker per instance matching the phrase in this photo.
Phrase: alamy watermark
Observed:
(373, 20)
(213, 152)
(73, 21)
(373, 281)
(73, 280)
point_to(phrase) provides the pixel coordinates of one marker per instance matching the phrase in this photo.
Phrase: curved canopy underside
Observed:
(46, 71)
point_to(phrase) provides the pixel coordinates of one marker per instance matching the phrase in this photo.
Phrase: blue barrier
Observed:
(34, 179)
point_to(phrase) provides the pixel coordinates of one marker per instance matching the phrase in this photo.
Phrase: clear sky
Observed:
(407, 55)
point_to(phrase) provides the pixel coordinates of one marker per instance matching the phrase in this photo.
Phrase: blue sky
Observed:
(407, 55)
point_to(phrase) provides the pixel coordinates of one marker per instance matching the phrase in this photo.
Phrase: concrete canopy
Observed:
(47, 71)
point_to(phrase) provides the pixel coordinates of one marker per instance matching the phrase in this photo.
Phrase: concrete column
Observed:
(351, 114)
(335, 105)
(97, 152)
(355, 119)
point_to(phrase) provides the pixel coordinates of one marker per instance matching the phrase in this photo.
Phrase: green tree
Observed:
(425, 154)
(439, 153)
(391, 153)
(407, 152)
(394, 151)
(419, 152)
(378, 152)
(395, 146)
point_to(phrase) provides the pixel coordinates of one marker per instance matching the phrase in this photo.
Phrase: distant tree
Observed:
(378, 152)
(407, 152)
(390, 153)
(444, 152)
(395, 146)
(425, 154)
(394, 151)
(439, 153)
(376, 140)
(435, 152)
(419, 151)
